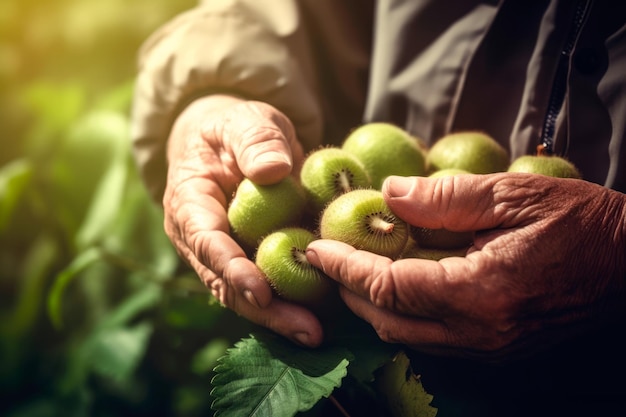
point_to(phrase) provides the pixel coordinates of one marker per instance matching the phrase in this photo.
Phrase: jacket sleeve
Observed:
(256, 49)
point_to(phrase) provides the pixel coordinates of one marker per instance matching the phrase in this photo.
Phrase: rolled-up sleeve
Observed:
(256, 49)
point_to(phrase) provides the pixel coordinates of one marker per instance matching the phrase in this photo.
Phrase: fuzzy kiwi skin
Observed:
(256, 210)
(351, 218)
(282, 260)
(328, 172)
(447, 172)
(473, 151)
(386, 149)
(550, 165)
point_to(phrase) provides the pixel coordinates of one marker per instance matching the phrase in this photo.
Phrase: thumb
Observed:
(264, 142)
(459, 202)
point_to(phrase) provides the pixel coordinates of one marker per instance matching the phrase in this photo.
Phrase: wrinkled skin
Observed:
(548, 259)
(547, 263)
(214, 144)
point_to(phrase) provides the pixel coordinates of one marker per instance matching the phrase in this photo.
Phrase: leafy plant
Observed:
(275, 378)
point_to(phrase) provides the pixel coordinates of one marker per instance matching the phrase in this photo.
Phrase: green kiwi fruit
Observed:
(472, 151)
(257, 210)
(281, 258)
(361, 218)
(550, 165)
(386, 149)
(328, 172)
(446, 172)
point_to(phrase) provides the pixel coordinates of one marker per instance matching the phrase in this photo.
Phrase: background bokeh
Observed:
(98, 316)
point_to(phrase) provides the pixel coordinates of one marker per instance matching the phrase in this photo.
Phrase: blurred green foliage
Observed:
(97, 315)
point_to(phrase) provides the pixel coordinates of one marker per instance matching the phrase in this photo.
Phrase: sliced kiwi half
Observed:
(281, 258)
(361, 218)
(328, 172)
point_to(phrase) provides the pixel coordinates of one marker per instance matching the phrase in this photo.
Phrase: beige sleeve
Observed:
(252, 48)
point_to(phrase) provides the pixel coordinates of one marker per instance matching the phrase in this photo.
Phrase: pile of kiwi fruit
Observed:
(337, 195)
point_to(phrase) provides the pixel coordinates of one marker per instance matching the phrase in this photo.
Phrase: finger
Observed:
(289, 320)
(464, 202)
(396, 328)
(238, 277)
(409, 286)
(238, 284)
(263, 141)
(430, 336)
(198, 225)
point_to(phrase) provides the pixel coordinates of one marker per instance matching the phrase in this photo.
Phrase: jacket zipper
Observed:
(559, 86)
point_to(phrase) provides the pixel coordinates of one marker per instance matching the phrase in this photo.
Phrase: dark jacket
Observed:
(526, 72)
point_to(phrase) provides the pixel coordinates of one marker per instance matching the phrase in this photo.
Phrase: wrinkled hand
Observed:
(214, 144)
(549, 259)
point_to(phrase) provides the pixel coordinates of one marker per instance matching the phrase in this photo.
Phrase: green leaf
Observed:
(137, 233)
(269, 376)
(106, 203)
(145, 298)
(402, 389)
(115, 352)
(15, 177)
(36, 268)
(63, 278)
(87, 174)
(205, 359)
(113, 347)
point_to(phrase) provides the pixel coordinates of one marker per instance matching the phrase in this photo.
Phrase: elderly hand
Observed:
(216, 142)
(548, 260)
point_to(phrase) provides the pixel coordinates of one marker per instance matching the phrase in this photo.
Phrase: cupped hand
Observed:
(216, 142)
(548, 261)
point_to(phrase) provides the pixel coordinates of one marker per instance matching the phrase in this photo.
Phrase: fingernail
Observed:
(272, 158)
(399, 186)
(312, 257)
(251, 298)
(302, 338)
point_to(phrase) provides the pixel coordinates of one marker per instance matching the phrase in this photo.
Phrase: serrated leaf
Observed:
(402, 389)
(269, 376)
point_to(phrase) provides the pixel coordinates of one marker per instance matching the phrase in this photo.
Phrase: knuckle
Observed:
(383, 286)
(443, 191)
(501, 324)
(386, 334)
